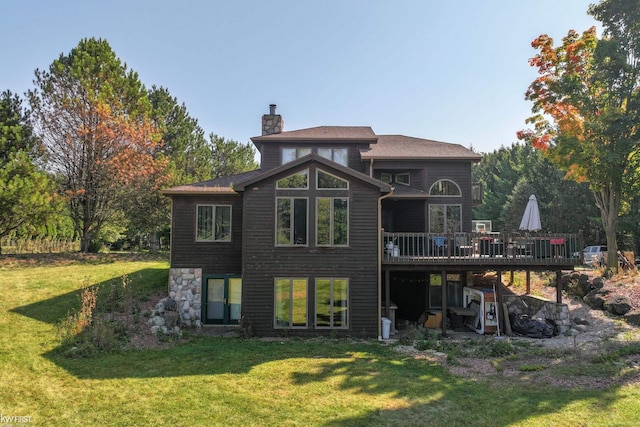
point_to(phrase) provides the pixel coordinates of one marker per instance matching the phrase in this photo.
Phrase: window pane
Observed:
(402, 178)
(299, 303)
(340, 156)
(204, 227)
(215, 299)
(454, 215)
(282, 302)
(436, 218)
(223, 223)
(435, 291)
(444, 187)
(386, 177)
(323, 207)
(325, 152)
(300, 222)
(283, 221)
(323, 302)
(339, 303)
(340, 222)
(235, 298)
(331, 302)
(326, 180)
(295, 181)
(288, 155)
(303, 152)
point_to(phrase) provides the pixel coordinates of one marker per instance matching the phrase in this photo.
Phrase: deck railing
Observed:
(483, 248)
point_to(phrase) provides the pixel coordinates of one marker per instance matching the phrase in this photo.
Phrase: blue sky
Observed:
(454, 71)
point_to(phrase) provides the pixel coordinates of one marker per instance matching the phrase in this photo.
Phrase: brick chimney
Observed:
(272, 123)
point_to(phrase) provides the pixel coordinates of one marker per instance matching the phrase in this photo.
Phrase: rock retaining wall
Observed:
(537, 307)
(185, 287)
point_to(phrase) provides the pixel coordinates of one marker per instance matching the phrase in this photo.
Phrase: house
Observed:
(337, 228)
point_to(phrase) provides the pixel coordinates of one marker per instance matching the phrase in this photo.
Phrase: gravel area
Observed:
(563, 361)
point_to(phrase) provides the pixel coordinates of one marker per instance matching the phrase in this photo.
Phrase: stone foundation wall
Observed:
(185, 287)
(538, 307)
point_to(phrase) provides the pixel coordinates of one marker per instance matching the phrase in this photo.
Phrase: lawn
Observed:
(209, 381)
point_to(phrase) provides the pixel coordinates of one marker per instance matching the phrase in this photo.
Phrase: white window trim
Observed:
(296, 173)
(407, 174)
(445, 195)
(333, 154)
(315, 310)
(275, 308)
(330, 174)
(446, 205)
(213, 239)
(331, 225)
(297, 156)
(388, 176)
(275, 236)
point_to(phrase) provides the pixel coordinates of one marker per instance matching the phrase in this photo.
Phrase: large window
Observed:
(444, 187)
(291, 221)
(213, 223)
(338, 155)
(297, 181)
(290, 303)
(445, 218)
(332, 215)
(326, 181)
(290, 154)
(332, 297)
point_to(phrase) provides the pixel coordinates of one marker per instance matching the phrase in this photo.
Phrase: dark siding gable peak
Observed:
(315, 158)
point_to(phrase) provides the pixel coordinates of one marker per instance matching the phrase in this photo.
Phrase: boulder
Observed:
(596, 298)
(170, 304)
(618, 304)
(598, 282)
(633, 317)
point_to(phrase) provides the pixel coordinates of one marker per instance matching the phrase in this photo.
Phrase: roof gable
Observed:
(222, 185)
(314, 158)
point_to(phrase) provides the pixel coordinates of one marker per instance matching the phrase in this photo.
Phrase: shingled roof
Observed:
(400, 147)
(222, 185)
(328, 133)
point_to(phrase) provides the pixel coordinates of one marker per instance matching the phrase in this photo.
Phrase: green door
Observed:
(223, 300)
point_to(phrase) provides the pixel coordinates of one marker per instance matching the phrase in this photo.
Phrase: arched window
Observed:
(445, 187)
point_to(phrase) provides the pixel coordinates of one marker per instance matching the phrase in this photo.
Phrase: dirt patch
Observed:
(578, 361)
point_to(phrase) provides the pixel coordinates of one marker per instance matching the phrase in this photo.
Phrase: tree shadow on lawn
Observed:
(53, 310)
(420, 391)
(428, 391)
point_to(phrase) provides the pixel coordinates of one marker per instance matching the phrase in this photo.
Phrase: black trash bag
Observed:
(532, 327)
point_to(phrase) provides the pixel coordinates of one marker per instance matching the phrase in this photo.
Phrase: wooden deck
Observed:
(529, 251)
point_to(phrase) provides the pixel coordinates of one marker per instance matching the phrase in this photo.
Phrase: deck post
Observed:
(528, 282)
(559, 287)
(444, 302)
(387, 295)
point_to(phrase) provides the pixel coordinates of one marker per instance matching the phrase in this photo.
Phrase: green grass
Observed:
(207, 381)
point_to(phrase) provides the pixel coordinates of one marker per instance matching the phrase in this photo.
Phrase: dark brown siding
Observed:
(212, 257)
(407, 216)
(263, 261)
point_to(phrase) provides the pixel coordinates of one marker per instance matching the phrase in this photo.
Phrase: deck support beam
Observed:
(387, 296)
(444, 302)
(559, 287)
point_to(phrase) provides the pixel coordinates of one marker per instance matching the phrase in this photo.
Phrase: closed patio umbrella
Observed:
(531, 218)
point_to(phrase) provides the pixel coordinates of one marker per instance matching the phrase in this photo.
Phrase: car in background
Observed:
(594, 256)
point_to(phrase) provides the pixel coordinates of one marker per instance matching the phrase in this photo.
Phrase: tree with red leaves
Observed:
(586, 105)
(94, 119)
